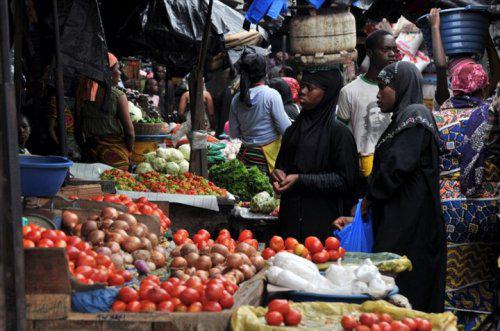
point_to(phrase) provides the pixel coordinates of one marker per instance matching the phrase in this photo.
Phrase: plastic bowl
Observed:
(463, 30)
(42, 176)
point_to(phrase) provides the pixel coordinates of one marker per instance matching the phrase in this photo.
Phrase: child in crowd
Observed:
(152, 90)
(23, 132)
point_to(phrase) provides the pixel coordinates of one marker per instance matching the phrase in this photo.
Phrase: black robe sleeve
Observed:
(396, 163)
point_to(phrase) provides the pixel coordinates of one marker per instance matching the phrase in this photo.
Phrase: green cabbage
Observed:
(172, 168)
(149, 157)
(186, 151)
(183, 167)
(176, 156)
(135, 112)
(159, 164)
(164, 153)
(263, 203)
(143, 167)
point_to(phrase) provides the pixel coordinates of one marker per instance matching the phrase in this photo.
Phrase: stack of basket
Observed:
(148, 129)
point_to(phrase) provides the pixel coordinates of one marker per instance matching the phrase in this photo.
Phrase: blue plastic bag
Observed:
(357, 236)
(260, 8)
(97, 301)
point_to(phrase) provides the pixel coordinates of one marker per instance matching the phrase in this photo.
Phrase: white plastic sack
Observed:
(286, 278)
(340, 275)
(366, 271)
(296, 264)
(420, 60)
(409, 42)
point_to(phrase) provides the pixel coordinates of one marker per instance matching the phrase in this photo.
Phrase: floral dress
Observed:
(469, 197)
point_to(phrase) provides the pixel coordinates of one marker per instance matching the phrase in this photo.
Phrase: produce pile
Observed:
(206, 258)
(86, 264)
(383, 322)
(264, 203)
(139, 207)
(279, 311)
(119, 236)
(174, 295)
(169, 161)
(160, 183)
(313, 249)
(237, 179)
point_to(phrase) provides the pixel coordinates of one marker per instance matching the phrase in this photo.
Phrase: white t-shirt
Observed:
(358, 106)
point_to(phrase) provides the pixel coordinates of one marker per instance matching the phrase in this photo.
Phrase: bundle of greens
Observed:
(237, 179)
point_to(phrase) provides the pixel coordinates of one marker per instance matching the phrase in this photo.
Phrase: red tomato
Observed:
(189, 296)
(195, 284)
(103, 260)
(321, 257)
(81, 278)
(178, 239)
(180, 308)
(277, 244)
(174, 280)
(147, 306)
(309, 240)
(84, 259)
(73, 240)
(315, 246)
(411, 323)
(423, 325)
(119, 306)
(103, 275)
(290, 243)
(177, 290)
(376, 327)
(83, 246)
(60, 243)
(134, 306)
(267, 253)
(245, 234)
(384, 326)
(183, 232)
(205, 234)
(45, 242)
(50, 234)
(227, 300)
(293, 317)
(142, 200)
(385, 318)
(157, 294)
(198, 238)
(213, 292)
(34, 235)
(28, 243)
(26, 229)
(115, 280)
(362, 328)
(165, 306)
(349, 322)
(167, 286)
(84, 270)
(342, 251)
(367, 319)
(274, 318)
(146, 210)
(212, 306)
(231, 288)
(127, 294)
(153, 278)
(280, 305)
(126, 275)
(225, 232)
(398, 326)
(175, 302)
(195, 307)
(332, 244)
(252, 242)
(334, 255)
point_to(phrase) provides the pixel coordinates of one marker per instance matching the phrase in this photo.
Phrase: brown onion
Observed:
(202, 274)
(120, 225)
(69, 220)
(131, 244)
(245, 258)
(153, 238)
(141, 254)
(258, 261)
(137, 230)
(176, 252)
(234, 261)
(130, 219)
(122, 232)
(217, 259)
(178, 263)
(203, 263)
(245, 248)
(190, 271)
(214, 272)
(127, 258)
(106, 224)
(191, 259)
(113, 246)
(114, 237)
(178, 273)
(158, 258)
(239, 275)
(117, 260)
(88, 227)
(94, 217)
(221, 249)
(104, 251)
(247, 271)
(77, 230)
(109, 212)
(188, 248)
(146, 244)
(96, 237)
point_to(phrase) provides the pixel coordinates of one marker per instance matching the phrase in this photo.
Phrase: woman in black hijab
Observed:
(291, 108)
(404, 188)
(317, 165)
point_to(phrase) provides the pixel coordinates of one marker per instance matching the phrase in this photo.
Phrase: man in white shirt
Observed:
(357, 106)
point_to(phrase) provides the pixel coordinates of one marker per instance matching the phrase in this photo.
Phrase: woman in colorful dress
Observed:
(106, 126)
(469, 195)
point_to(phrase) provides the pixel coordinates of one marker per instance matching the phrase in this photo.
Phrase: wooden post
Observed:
(198, 161)
(12, 299)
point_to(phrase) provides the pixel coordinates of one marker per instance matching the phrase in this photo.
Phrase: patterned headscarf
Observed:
(467, 77)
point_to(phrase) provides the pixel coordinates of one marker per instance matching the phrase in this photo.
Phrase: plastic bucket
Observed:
(144, 144)
(42, 176)
(463, 30)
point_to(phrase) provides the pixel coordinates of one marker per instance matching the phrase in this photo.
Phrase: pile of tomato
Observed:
(139, 207)
(187, 183)
(384, 322)
(279, 311)
(85, 264)
(203, 239)
(193, 295)
(313, 249)
(123, 180)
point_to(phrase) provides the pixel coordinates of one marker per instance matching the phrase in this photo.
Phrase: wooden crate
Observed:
(47, 283)
(81, 191)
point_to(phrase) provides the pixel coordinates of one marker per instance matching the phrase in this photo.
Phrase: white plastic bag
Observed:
(296, 264)
(285, 278)
(409, 42)
(366, 271)
(340, 275)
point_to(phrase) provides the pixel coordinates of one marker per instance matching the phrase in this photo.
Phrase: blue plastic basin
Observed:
(463, 30)
(42, 176)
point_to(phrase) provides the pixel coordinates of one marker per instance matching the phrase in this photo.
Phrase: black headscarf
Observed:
(252, 70)
(283, 88)
(406, 80)
(314, 127)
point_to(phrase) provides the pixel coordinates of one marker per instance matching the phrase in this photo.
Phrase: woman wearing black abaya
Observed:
(317, 165)
(404, 188)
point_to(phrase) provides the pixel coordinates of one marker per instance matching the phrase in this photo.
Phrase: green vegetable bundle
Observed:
(237, 179)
